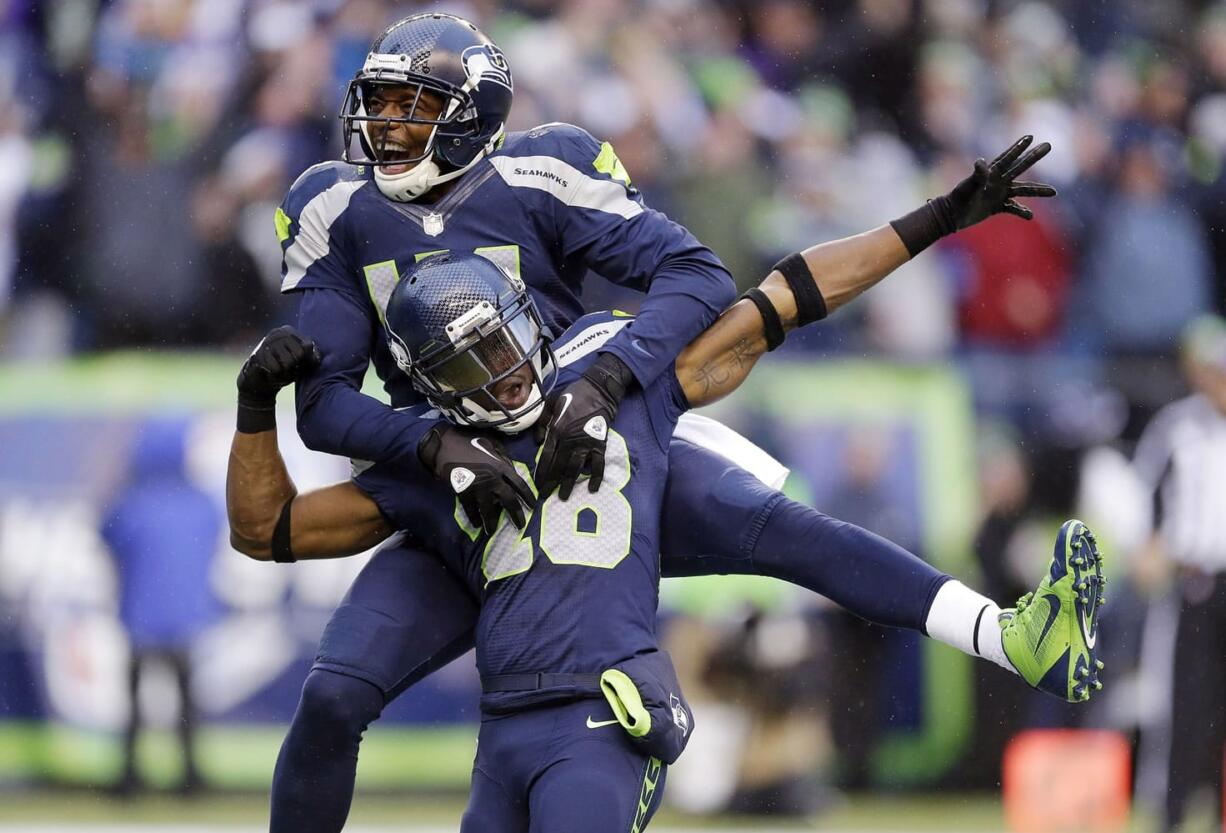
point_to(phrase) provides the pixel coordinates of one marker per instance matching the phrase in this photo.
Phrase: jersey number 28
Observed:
(591, 530)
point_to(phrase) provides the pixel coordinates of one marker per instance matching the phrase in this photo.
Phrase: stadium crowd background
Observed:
(144, 145)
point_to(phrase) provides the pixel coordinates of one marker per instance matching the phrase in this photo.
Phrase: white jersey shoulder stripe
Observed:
(567, 183)
(588, 340)
(312, 241)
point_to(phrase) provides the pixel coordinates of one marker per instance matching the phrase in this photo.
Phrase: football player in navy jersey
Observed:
(429, 167)
(567, 604)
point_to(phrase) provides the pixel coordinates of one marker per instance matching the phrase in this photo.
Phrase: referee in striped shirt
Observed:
(1181, 456)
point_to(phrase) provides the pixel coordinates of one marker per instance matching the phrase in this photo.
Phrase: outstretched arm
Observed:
(718, 361)
(325, 523)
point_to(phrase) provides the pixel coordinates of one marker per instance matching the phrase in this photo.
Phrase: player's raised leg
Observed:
(405, 616)
(747, 527)
(740, 525)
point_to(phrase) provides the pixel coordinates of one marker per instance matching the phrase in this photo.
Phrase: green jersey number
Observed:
(381, 278)
(591, 530)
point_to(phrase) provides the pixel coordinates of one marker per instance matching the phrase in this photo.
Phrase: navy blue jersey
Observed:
(575, 591)
(549, 205)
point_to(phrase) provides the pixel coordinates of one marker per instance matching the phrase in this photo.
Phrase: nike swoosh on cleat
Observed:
(596, 724)
(1054, 603)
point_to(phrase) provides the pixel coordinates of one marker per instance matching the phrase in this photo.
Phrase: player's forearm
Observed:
(843, 269)
(257, 488)
(720, 359)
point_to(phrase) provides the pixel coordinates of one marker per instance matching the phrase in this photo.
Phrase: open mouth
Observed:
(397, 159)
(512, 392)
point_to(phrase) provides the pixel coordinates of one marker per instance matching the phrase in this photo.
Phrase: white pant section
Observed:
(705, 432)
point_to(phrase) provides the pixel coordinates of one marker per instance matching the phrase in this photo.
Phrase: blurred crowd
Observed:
(146, 142)
(144, 145)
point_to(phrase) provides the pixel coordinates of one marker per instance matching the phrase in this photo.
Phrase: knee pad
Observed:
(336, 703)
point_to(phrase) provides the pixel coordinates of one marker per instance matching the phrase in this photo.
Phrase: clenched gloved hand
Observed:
(281, 358)
(575, 426)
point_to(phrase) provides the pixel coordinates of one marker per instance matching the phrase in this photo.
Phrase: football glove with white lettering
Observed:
(479, 472)
(575, 426)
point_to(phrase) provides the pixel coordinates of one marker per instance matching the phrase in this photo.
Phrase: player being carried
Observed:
(566, 643)
(428, 167)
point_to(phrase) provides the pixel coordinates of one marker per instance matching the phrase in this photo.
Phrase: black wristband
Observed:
(282, 551)
(611, 375)
(254, 419)
(429, 445)
(925, 225)
(770, 317)
(810, 305)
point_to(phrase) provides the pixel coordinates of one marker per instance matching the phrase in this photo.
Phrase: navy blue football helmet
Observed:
(459, 325)
(444, 55)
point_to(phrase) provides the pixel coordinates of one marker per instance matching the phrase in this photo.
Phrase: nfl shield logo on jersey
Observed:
(432, 224)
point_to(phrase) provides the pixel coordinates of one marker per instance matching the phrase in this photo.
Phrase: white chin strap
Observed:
(419, 179)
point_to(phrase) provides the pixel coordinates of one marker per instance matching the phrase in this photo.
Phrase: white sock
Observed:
(967, 620)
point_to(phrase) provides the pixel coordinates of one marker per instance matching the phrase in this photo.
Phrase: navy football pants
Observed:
(406, 615)
(545, 771)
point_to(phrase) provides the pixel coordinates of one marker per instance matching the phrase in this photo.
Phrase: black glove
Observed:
(990, 189)
(479, 472)
(282, 357)
(575, 426)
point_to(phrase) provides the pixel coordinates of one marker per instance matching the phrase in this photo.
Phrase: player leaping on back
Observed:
(567, 613)
(433, 169)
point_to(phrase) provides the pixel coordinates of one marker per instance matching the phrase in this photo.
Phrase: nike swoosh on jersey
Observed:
(638, 345)
(596, 724)
(476, 443)
(1054, 603)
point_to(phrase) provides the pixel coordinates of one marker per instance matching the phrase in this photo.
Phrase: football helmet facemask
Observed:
(459, 325)
(440, 54)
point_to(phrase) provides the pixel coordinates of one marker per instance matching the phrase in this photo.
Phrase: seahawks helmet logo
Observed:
(486, 63)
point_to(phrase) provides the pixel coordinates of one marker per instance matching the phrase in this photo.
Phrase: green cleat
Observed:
(1050, 636)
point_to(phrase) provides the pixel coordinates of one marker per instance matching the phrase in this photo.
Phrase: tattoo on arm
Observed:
(729, 368)
(746, 351)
